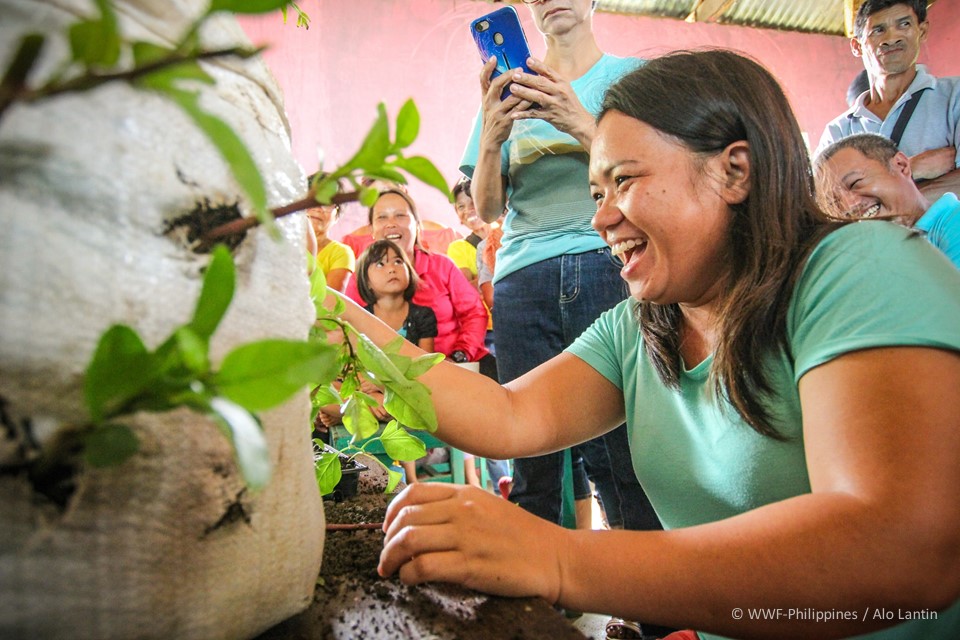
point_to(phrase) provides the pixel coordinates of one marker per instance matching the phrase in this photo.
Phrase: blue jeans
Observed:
(537, 312)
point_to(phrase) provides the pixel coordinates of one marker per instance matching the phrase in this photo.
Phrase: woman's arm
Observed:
(488, 186)
(426, 344)
(531, 415)
(486, 291)
(879, 530)
(337, 279)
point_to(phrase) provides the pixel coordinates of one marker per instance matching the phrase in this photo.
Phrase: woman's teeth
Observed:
(620, 248)
(871, 211)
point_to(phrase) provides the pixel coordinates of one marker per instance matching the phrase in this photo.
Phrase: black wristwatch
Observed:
(459, 356)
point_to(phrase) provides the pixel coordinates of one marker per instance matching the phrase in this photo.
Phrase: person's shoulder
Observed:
(420, 311)
(863, 231)
(342, 248)
(944, 208)
(619, 63)
(437, 262)
(836, 129)
(860, 247)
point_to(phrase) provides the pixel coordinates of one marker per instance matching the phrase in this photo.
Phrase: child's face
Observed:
(388, 275)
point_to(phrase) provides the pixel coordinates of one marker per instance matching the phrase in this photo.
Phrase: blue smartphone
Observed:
(499, 34)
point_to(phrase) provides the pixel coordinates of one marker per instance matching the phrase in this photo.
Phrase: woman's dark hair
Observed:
(413, 210)
(373, 254)
(707, 100)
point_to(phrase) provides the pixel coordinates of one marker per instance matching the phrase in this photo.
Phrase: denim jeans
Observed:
(537, 312)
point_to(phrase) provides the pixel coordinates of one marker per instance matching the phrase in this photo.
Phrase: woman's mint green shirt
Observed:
(868, 284)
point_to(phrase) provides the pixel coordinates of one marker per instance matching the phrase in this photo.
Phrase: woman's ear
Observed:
(735, 172)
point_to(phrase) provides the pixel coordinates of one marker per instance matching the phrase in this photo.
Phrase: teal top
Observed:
(548, 192)
(941, 223)
(699, 462)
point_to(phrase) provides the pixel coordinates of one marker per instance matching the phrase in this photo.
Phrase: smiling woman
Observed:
(765, 374)
(461, 316)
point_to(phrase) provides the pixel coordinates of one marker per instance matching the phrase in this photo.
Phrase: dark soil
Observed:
(191, 227)
(352, 601)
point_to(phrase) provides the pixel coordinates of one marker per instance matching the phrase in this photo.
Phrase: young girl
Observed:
(386, 281)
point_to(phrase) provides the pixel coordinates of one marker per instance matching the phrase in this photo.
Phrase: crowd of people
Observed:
(752, 354)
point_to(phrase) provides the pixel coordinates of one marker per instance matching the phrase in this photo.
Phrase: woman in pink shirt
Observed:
(461, 317)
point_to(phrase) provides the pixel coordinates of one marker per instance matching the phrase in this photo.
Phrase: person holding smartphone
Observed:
(529, 152)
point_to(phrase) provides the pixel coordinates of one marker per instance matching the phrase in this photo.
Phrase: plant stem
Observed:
(243, 224)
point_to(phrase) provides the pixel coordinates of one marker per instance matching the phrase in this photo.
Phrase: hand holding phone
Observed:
(500, 34)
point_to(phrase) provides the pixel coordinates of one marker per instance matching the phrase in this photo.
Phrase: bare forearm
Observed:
(487, 184)
(470, 407)
(827, 553)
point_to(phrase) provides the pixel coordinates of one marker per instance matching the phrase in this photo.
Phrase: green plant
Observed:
(359, 360)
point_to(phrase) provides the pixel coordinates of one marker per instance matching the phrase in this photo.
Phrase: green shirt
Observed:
(862, 287)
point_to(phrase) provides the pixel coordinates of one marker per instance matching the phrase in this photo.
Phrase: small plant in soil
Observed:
(359, 360)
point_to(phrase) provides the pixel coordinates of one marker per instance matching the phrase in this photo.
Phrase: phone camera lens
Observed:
(482, 26)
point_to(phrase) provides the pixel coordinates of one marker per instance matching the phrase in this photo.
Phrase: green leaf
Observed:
(394, 345)
(368, 196)
(393, 479)
(147, 52)
(249, 444)
(248, 6)
(324, 395)
(109, 445)
(120, 369)
(327, 470)
(402, 363)
(26, 56)
(260, 375)
(325, 190)
(231, 148)
(408, 124)
(318, 291)
(386, 173)
(411, 406)
(192, 350)
(219, 283)
(400, 445)
(424, 170)
(422, 364)
(376, 361)
(96, 42)
(373, 152)
(358, 419)
(366, 399)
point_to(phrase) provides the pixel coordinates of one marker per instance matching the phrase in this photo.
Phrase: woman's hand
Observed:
(551, 98)
(497, 113)
(465, 535)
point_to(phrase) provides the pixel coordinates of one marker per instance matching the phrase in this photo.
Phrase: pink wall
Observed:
(360, 52)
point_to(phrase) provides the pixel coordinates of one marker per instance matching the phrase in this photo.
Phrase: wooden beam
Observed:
(708, 10)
